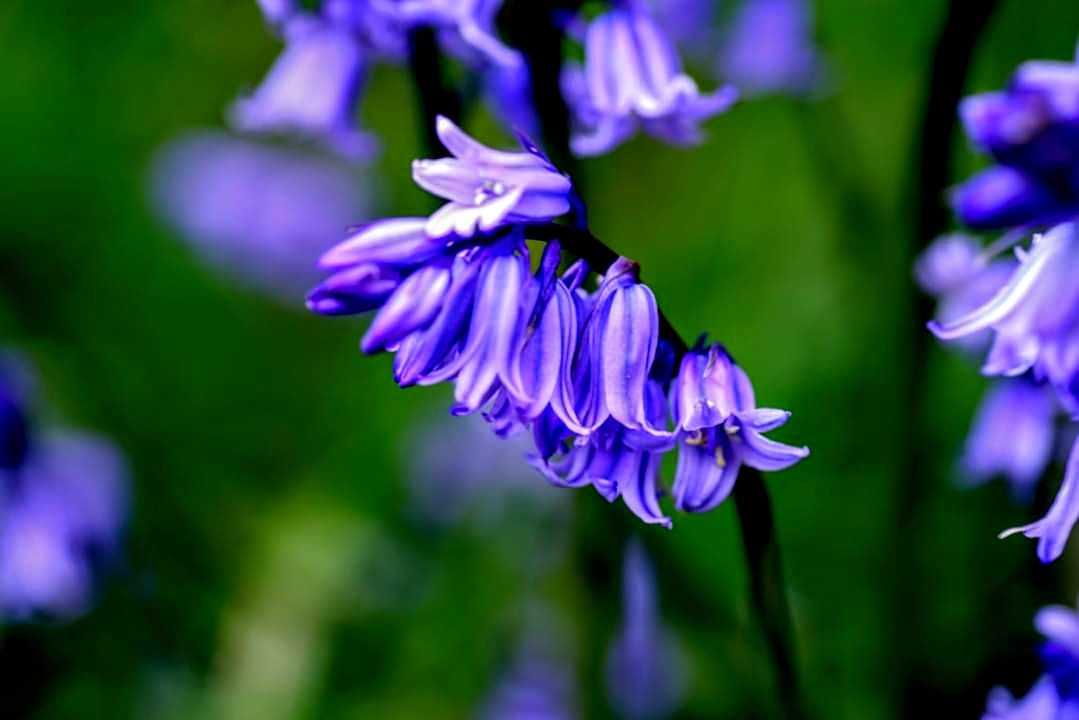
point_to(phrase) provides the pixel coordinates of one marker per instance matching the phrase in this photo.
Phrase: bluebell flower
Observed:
(1034, 324)
(587, 373)
(487, 188)
(1031, 130)
(1034, 316)
(257, 212)
(63, 502)
(313, 88)
(769, 49)
(1012, 436)
(1055, 696)
(632, 80)
(616, 464)
(466, 27)
(646, 670)
(723, 429)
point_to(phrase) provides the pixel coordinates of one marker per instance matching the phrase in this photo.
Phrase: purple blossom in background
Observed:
(632, 80)
(646, 671)
(467, 27)
(313, 89)
(538, 682)
(690, 24)
(63, 505)
(1012, 435)
(1031, 131)
(459, 471)
(769, 49)
(1055, 696)
(259, 212)
(1034, 320)
(459, 300)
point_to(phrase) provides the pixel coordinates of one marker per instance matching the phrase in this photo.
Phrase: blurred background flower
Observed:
(63, 508)
(259, 213)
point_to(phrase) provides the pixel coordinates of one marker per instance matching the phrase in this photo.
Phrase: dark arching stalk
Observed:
(946, 78)
(435, 94)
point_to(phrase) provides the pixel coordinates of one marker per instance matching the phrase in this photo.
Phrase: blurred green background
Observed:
(273, 569)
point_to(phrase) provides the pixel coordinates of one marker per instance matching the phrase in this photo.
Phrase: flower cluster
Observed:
(62, 508)
(1031, 130)
(1027, 309)
(1034, 324)
(314, 87)
(533, 348)
(1055, 696)
(1013, 432)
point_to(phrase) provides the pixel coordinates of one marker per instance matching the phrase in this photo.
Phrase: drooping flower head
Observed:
(723, 428)
(1033, 319)
(632, 80)
(1031, 131)
(259, 212)
(646, 669)
(1055, 696)
(459, 299)
(62, 508)
(1013, 432)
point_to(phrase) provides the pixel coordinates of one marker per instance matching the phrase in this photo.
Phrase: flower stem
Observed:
(761, 544)
(436, 94)
(963, 27)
